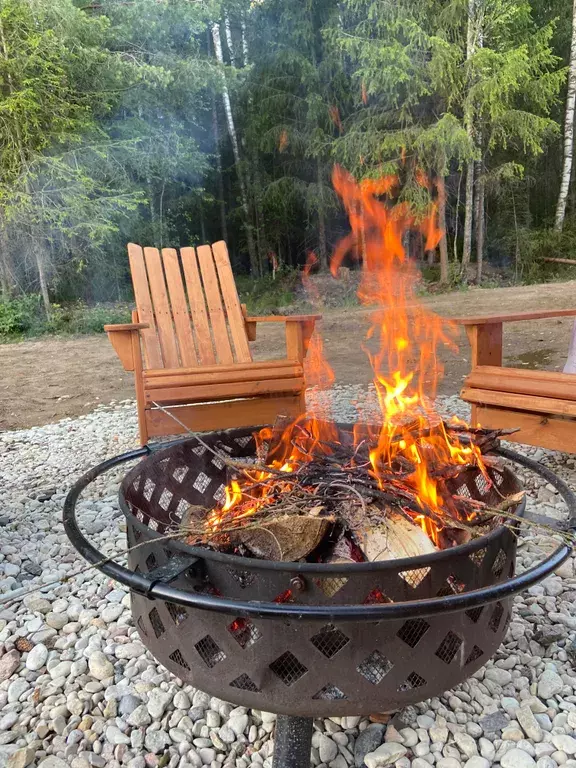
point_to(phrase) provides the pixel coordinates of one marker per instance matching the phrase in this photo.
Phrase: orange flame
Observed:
(402, 344)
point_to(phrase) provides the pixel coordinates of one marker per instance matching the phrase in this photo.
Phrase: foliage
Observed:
(114, 130)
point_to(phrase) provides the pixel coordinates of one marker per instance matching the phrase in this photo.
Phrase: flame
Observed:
(402, 344)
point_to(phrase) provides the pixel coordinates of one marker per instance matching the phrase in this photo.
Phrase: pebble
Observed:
(517, 758)
(368, 741)
(384, 755)
(37, 657)
(100, 667)
(549, 684)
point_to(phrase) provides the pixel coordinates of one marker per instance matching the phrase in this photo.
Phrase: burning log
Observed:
(320, 493)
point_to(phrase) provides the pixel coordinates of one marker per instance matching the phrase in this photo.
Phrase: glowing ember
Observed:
(411, 441)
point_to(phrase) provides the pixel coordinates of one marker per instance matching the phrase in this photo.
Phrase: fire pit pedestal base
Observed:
(292, 742)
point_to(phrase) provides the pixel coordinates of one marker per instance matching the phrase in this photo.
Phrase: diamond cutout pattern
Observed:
(474, 654)
(209, 652)
(330, 640)
(414, 577)
(412, 631)
(331, 585)
(376, 596)
(288, 668)
(478, 557)
(330, 692)
(499, 563)
(449, 647)
(414, 680)
(244, 683)
(375, 667)
(245, 632)
(141, 627)
(177, 612)
(177, 658)
(474, 613)
(156, 622)
(151, 562)
(496, 617)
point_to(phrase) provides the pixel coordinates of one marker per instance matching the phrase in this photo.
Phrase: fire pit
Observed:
(304, 639)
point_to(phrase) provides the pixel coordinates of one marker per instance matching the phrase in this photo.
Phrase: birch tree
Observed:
(254, 262)
(568, 131)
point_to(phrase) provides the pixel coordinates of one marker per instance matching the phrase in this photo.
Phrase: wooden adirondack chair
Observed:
(188, 346)
(541, 403)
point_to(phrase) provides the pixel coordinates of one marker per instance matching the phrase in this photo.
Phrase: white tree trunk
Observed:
(255, 267)
(568, 131)
(570, 366)
(229, 42)
(471, 38)
(244, 43)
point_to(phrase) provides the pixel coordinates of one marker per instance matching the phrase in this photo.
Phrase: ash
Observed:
(78, 689)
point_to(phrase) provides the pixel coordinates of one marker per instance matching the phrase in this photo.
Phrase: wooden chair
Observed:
(188, 346)
(541, 403)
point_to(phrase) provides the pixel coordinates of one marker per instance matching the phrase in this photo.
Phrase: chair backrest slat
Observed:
(152, 352)
(162, 311)
(232, 302)
(193, 322)
(180, 311)
(215, 307)
(197, 307)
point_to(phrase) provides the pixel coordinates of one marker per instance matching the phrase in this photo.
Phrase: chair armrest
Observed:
(126, 327)
(305, 321)
(285, 319)
(122, 339)
(538, 314)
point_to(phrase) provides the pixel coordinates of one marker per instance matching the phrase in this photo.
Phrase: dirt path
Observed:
(46, 380)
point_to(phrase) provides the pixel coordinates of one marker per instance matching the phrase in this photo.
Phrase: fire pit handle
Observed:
(154, 589)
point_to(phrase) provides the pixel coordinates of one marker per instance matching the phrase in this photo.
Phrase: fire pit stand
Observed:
(305, 639)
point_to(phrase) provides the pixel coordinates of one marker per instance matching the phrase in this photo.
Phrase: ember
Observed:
(369, 492)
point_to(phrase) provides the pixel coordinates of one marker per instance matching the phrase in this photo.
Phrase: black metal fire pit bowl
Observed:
(303, 639)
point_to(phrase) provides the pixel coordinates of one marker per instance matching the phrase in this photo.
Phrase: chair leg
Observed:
(139, 383)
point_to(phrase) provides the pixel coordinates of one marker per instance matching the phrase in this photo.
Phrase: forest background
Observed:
(179, 122)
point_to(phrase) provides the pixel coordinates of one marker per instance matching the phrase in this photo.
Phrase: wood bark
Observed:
(245, 56)
(217, 153)
(254, 263)
(322, 246)
(471, 43)
(480, 222)
(6, 266)
(568, 131)
(441, 186)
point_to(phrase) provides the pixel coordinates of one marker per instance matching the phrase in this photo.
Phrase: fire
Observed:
(402, 344)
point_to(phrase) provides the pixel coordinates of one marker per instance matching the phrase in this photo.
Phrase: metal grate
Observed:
(331, 585)
(177, 612)
(414, 680)
(414, 577)
(244, 683)
(376, 596)
(412, 631)
(496, 617)
(474, 613)
(209, 651)
(156, 622)
(499, 563)
(177, 658)
(474, 654)
(288, 668)
(245, 632)
(375, 667)
(329, 640)
(478, 557)
(330, 692)
(449, 647)
(141, 627)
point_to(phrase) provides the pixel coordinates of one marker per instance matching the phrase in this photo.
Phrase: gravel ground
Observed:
(78, 689)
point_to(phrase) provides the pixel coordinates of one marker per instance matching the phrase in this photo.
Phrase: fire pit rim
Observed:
(157, 589)
(418, 561)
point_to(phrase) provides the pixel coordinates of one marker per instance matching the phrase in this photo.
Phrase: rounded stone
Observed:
(517, 758)
(37, 657)
(99, 665)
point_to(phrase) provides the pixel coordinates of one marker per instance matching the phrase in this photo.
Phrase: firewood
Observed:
(287, 538)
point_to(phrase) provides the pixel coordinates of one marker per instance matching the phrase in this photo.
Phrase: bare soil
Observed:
(49, 379)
